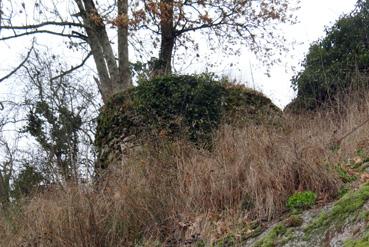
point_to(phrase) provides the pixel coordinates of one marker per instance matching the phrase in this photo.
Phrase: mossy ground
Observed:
(272, 237)
(343, 209)
(347, 210)
(358, 243)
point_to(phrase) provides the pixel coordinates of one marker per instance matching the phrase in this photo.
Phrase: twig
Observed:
(19, 66)
(73, 68)
(339, 141)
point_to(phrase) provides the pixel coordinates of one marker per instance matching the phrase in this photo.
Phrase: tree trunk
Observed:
(112, 79)
(167, 37)
(4, 190)
(124, 80)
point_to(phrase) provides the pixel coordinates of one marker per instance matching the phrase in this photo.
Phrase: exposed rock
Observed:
(340, 224)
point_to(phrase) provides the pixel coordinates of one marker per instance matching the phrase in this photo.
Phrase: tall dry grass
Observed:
(176, 193)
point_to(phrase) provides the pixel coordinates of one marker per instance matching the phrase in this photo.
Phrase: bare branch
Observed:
(1, 12)
(43, 31)
(19, 66)
(203, 26)
(43, 24)
(73, 68)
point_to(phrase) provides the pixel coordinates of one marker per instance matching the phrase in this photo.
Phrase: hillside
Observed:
(105, 142)
(238, 193)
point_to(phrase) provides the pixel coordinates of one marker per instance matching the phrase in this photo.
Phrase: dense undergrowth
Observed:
(174, 193)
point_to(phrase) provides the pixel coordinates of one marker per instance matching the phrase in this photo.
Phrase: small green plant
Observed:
(247, 203)
(361, 153)
(334, 147)
(343, 174)
(301, 200)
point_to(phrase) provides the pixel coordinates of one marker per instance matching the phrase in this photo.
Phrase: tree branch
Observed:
(73, 68)
(19, 66)
(203, 26)
(42, 31)
(43, 24)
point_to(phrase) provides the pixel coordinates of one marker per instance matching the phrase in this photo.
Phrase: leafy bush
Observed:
(242, 105)
(180, 105)
(301, 200)
(166, 107)
(335, 63)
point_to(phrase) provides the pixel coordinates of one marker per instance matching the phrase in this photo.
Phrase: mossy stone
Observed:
(176, 107)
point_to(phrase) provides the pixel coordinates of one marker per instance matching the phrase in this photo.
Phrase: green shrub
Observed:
(242, 105)
(171, 106)
(178, 106)
(336, 63)
(301, 200)
(28, 181)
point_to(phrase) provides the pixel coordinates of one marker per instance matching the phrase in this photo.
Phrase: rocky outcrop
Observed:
(172, 107)
(343, 223)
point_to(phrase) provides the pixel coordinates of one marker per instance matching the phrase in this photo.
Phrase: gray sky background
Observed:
(313, 17)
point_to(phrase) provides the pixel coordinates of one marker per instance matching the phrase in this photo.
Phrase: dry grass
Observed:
(176, 192)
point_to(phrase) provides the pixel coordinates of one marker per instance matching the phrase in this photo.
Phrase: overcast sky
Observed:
(313, 17)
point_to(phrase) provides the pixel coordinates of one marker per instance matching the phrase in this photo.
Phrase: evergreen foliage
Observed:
(28, 181)
(336, 63)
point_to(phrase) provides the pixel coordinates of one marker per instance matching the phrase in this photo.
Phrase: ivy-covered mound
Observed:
(176, 106)
(336, 64)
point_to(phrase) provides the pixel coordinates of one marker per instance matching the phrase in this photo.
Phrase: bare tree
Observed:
(7, 166)
(84, 26)
(85, 23)
(242, 22)
(53, 117)
(59, 115)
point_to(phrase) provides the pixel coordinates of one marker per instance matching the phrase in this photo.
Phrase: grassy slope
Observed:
(179, 194)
